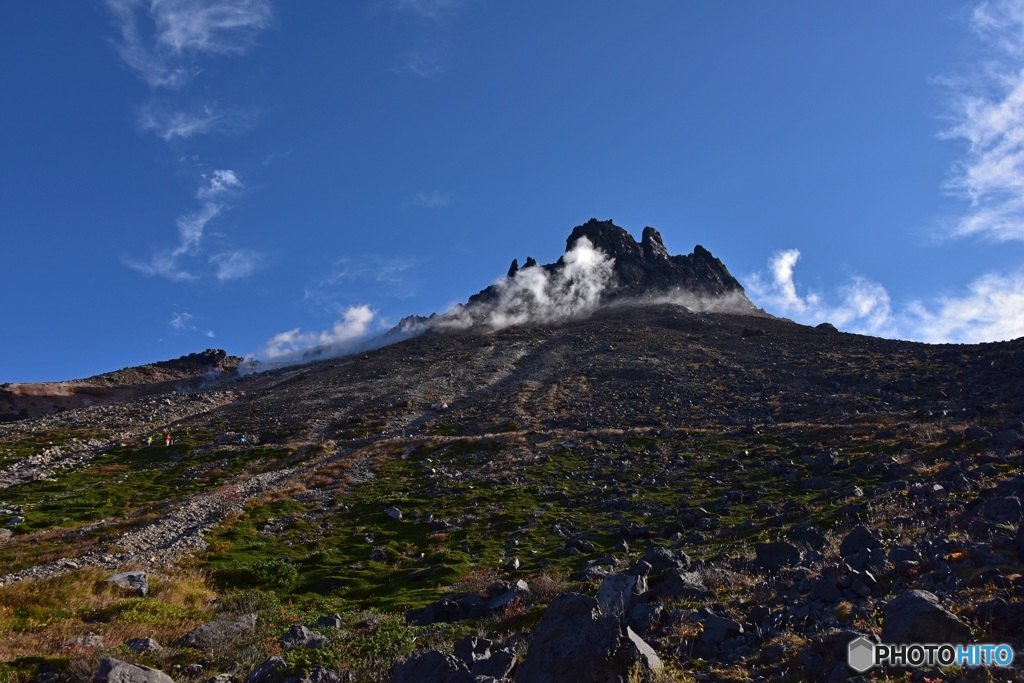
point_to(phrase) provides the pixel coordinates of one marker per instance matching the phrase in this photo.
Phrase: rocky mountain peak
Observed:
(653, 248)
(622, 269)
(646, 269)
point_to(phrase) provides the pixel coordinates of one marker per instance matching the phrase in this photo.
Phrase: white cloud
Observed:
(161, 39)
(162, 263)
(391, 276)
(988, 113)
(423, 62)
(180, 321)
(219, 183)
(267, 160)
(237, 264)
(430, 9)
(205, 26)
(347, 332)
(429, 200)
(990, 309)
(864, 306)
(214, 195)
(191, 227)
(171, 125)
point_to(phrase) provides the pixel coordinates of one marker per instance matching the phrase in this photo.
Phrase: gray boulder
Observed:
(90, 639)
(270, 671)
(215, 634)
(575, 642)
(861, 538)
(300, 636)
(775, 556)
(317, 674)
(1007, 438)
(643, 617)
(619, 592)
(805, 533)
(660, 559)
(472, 649)
(682, 585)
(449, 609)
(975, 432)
(483, 659)
(1002, 510)
(135, 583)
(717, 629)
(498, 666)
(115, 671)
(432, 667)
(917, 617)
(142, 645)
(330, 621)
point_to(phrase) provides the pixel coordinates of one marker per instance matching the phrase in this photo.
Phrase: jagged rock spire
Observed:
(646, 268)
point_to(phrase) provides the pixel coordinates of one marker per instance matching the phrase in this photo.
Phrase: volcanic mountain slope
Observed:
(744, 496)
(752, 493)
(19, 401)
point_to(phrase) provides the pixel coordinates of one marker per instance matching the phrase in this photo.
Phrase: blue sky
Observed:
(260, 176)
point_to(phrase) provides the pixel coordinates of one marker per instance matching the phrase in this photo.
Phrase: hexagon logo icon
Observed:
(860, 654)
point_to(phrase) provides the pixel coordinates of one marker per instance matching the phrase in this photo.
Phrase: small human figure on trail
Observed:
(241, 439)
(149, 440)
(167, 438)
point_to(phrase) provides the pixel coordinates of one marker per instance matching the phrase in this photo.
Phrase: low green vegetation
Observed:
(326, 543)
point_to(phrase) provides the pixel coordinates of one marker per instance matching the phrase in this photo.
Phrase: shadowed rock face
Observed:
(645, 269)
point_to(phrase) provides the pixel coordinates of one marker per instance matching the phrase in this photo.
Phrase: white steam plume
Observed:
(536, 294)
(346, 333)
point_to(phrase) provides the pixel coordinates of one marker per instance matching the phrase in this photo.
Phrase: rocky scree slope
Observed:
(20, 401)
(709, 495)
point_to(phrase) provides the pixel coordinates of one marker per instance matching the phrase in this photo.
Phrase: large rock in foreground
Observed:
(216, 634)
(115, 671)
(432, 667)
(917, 617)
(576, 642)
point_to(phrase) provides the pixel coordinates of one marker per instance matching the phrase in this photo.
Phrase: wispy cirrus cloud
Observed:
(430, 9)
(388, 276)
(988, 114)
(428, 56)
(169, 124)
(161, 40)
(182, 323)
(429, 200)
(989, 310)
(237, 264)
(423, 62)
(179, 263)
